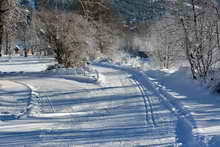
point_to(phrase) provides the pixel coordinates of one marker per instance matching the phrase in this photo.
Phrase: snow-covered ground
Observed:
(116, 110)
(125, 107)
(196, 108)
(197, 100)
(29, 64)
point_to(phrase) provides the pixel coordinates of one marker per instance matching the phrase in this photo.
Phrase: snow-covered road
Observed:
(117, 111)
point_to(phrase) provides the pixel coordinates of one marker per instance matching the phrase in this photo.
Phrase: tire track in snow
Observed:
(147, 103)
(50, 134)
(40, 100)
(37, 100)
(152, 118)
(46, 138)
(24, 137)
(29, 99)
(163, 120)
(44, 101)
(185, 122)
(48, 102)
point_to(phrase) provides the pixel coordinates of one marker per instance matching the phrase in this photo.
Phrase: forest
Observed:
(78, 31)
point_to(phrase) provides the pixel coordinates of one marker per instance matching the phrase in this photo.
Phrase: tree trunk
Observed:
(195, 20)
(187, 49)
(25, 53)
(217, 34)
(6, 43)
(1, 34)
(1, 28)
(2, 10)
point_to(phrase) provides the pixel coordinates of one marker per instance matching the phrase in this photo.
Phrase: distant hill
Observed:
(139, 10)
(129, 9)
(136, 10)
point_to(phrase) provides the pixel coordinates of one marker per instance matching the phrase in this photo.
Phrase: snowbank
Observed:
(195, 101)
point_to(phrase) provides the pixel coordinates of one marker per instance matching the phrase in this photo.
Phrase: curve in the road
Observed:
(112, 113)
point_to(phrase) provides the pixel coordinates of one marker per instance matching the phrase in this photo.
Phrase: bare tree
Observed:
(86, 33)
(165, 39)
(67, 33)
(15, 20)
(3, 9)
(200, 35)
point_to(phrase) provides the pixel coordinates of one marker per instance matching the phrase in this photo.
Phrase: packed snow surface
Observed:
(116, 110)
(117, 106)
(21, 64)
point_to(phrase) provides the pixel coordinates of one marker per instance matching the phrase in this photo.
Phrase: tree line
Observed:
(76, 31)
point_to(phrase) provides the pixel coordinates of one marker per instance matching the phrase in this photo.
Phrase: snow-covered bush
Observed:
(125, 59)
(82, 74)
(165, 43)
(56, 66)
(70, 40)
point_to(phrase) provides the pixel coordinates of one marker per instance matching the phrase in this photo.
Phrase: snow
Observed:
(21, 64)
(192, 97)
(65, 110)
(196, 108)
(14, 99)
(106, 104)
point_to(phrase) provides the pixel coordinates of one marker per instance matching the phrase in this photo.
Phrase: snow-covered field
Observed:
(125, 107)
